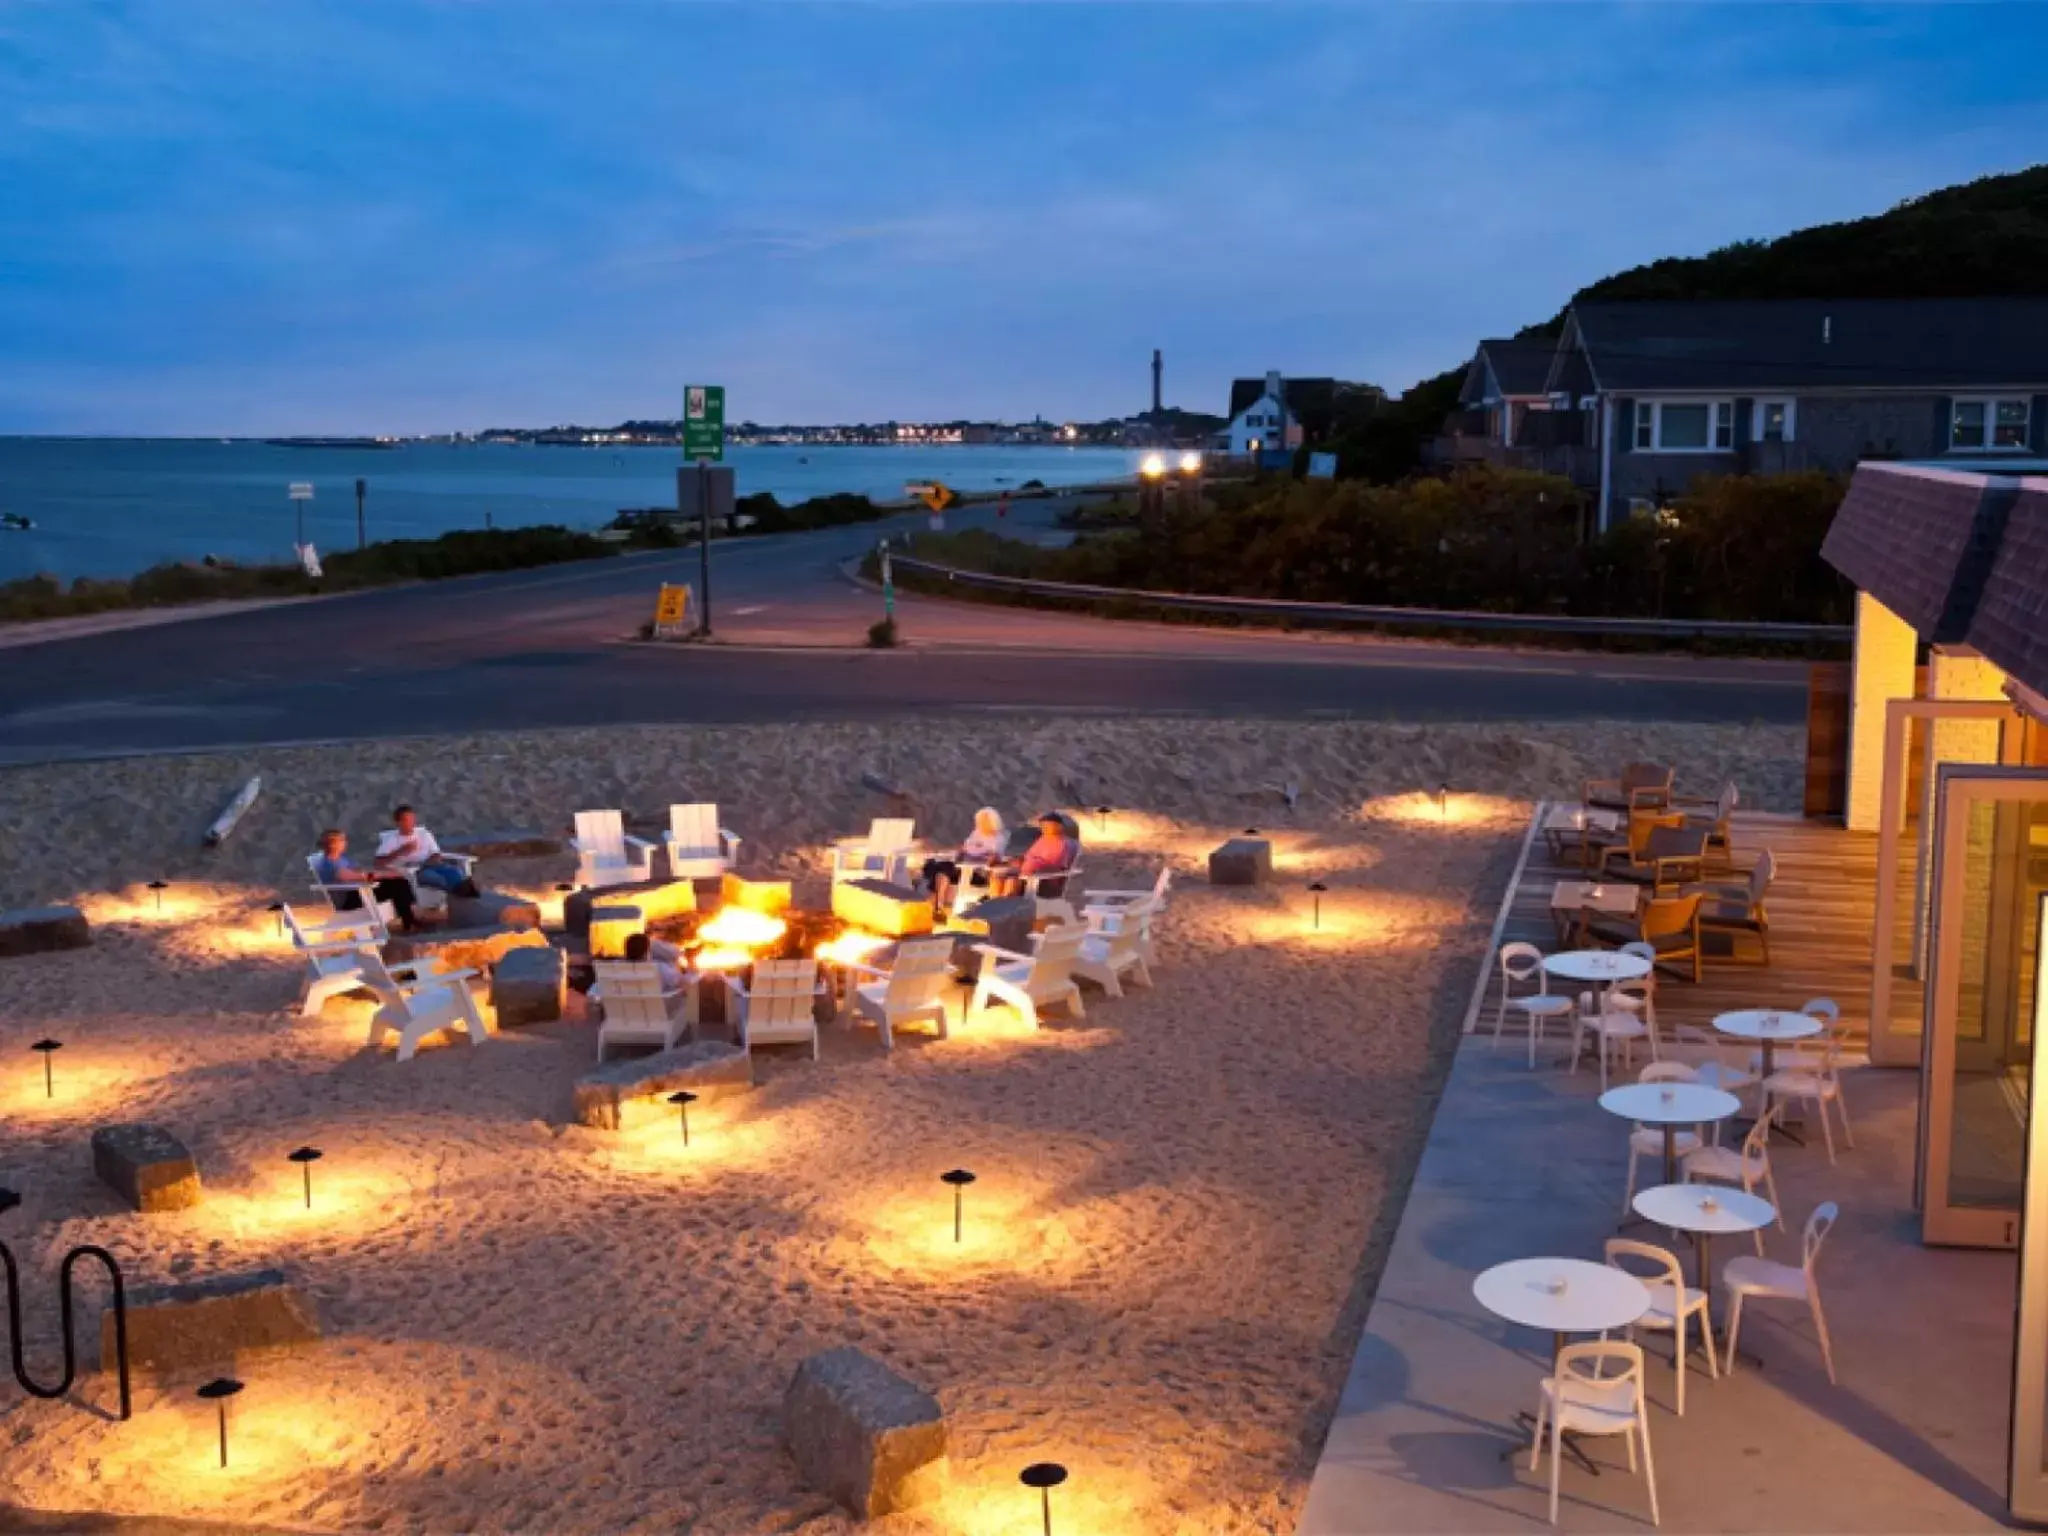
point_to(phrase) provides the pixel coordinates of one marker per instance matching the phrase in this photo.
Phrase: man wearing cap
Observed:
(1053, 853)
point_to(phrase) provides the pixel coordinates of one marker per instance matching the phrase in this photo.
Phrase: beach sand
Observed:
(1181, 1199)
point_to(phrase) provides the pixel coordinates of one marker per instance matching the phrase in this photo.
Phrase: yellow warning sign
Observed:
(934, 495)
(671, 609)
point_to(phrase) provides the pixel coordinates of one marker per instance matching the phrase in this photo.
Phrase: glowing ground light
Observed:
(1443, 801)
(277, 911)
(1044, 1476)
(218, 1391)
(159, 886)
(959, 1178)
(305, 1157)
(682, 1098)
(1102, 815)
(48, 1048)
(1315, 890)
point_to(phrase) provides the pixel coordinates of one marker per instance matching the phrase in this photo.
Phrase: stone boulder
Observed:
(492, 909)
(510, 843)
(882, 907)
(463, 949)
(771, 898)
(529, 986)
(203, 1325)
(146, 1166)
(1007, 920)
(632, 1090)
(1242, 861)
(611, 924)
(38, 930)
(864, 1435)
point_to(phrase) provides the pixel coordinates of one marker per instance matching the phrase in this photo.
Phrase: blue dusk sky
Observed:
(263, 216)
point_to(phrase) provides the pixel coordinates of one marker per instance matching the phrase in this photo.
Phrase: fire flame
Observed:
(738, 928)
(852, 946)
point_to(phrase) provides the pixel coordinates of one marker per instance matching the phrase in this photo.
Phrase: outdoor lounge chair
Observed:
(779, 1006)
(1670, 925)
(333, 952)
(1739, 909)
(1641, 787)
(916, 986)
(698, 847)
(1660, 851)
(1117, 949)
(637, 1009)
(1034, 982)
(605, 855)
(417, 1001)
(1713, 818)
(884, 854)
(350, 899)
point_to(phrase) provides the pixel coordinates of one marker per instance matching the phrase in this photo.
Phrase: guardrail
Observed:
(1337, 615)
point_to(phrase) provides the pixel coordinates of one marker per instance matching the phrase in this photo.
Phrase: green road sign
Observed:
(704, 422)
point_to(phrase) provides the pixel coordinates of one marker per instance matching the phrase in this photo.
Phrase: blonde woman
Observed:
(984, 846)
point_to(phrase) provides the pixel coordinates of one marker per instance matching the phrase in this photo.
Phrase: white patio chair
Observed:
(884, 854)
(1034, 982)
(350, 897)
(1746, 1166)
(916, 986)
(605, 855)
(1156, 895)
(1713, 1068)
(417, 1001)
(638, 1010)
(1648, 1140)
(779, 1006)
(1580, 1398)
(1111, 952)
(431, 897)
(1617, 1016)
(1673, 1304)
(698, 847)
(1103, 911)
(1768, 1280)
(1523, 964)
(333, 952)
(1816, 1080)
(1065, 883)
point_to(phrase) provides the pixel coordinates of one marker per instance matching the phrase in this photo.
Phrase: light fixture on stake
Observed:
(1315, 890)
(306, 1157)
(959, 1178)
(682, 1098)
(1044, 1476)
(1102, 815)
(218, 1391)
(1443, 802)
(159, 886)
(277, 912)
(48, 1048)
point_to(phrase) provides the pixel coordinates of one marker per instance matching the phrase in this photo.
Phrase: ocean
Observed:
(115, 506)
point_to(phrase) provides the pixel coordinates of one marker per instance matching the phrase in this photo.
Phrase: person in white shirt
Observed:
(409, 846)
(984, 846)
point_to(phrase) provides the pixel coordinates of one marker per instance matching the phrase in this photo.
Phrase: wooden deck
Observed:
(1822, 904)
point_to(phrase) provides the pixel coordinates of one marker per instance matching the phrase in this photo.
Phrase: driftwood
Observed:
(237, 808)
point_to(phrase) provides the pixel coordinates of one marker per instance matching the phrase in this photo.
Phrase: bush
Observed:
(882, 634)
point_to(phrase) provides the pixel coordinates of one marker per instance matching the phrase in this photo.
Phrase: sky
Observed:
(268, 217)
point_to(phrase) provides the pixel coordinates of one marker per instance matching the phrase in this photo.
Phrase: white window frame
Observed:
(1990, 404)
(1650, 422)
(1756, 426)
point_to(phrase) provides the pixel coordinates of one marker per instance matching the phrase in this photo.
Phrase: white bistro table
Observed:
(1769, 1028)
(1607, 965)
(1668, 1106)
(1561, 1296)
(1706, 1211)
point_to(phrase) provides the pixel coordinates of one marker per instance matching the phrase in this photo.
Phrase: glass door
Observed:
(2027, 1465)
(1990, 842)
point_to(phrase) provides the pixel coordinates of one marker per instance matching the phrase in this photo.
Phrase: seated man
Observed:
(1051, 854)
(411, 847)
(334, 867)
(640, 950)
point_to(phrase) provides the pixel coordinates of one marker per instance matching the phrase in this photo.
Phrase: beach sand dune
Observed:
(1166, 1256)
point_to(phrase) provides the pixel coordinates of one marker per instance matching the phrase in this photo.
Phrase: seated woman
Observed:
(334, 867)
(1052, 854)
(984, 846)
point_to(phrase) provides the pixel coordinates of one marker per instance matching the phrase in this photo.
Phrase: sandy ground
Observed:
(1181, 1204)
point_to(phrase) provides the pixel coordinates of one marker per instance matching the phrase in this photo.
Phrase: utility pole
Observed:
(362, 486)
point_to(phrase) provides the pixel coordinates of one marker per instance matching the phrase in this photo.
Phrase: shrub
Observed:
(882, 634)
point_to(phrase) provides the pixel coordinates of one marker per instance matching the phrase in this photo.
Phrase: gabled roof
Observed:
(1518, 367)
(1750, 345)
(1310, 396)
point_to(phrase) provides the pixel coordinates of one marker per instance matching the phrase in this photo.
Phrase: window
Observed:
(1773, 421)
(1989, 423)
(1685, 426)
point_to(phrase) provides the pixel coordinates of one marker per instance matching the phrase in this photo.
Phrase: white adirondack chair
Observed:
(915, 987)
(333, 952)
(779, 1007)
(698, 847)
(1031, 983)
(637, 1010)
(605, 855)
(1117, 948)
(430, 896)
(418, 1001)
(884, 854)
(337, 895)
(1104, 911)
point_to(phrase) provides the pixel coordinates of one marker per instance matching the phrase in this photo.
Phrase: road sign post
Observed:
(704, 444)
(362, 488)
(301, 493)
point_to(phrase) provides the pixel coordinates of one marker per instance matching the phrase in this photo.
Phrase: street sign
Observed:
(671, 611)
(301, 491)
(704, 422)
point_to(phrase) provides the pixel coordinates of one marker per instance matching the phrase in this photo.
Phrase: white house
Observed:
(1256, 411)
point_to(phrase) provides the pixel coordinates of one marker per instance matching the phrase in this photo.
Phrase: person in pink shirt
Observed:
(1053, 853)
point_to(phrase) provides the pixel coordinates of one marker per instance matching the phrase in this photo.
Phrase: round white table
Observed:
(1706, 1211)
(1596, 965)
(1563, 1296)
(1668, 1106)
(1768, 1027)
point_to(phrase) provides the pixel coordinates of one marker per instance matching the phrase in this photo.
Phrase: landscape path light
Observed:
(1315, 890)
(159, 886)
(306, 1157)
(1044, 1476)
(959, 1178)
(218, 1391)
(277, 912)
(48, 1048)
(1102, 815)
(682, 1098)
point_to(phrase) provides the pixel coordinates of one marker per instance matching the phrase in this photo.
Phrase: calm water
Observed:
(111, 507)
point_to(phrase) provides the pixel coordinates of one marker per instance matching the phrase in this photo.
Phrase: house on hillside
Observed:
(1644, 397)
(1507, 381)
(1308, 407)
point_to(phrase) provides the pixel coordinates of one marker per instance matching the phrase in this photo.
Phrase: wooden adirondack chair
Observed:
(698, 847)
(637, 1009)
(915, 987)
(779, 1007)
(884, 854)
(418, 1001)
(1031, 983)
(605, 855)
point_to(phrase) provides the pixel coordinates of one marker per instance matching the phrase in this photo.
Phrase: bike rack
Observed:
(8, 1200)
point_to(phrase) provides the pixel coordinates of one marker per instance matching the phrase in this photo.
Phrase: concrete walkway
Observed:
(1522, 1163)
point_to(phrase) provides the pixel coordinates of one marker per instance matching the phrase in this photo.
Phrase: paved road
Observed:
(549, 648)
